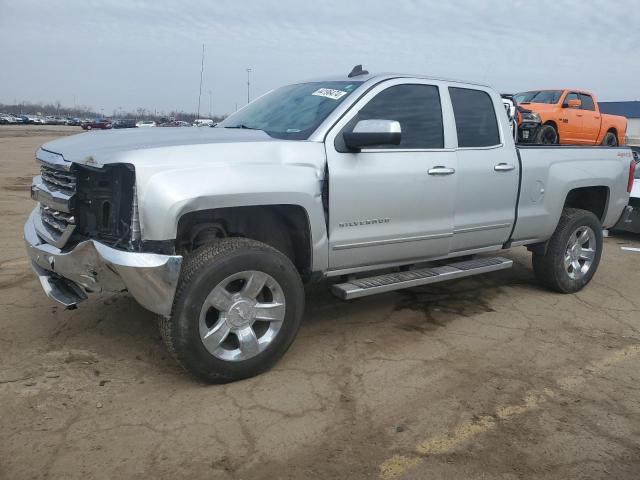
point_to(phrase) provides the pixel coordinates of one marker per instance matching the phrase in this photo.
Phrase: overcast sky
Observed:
(130, 54)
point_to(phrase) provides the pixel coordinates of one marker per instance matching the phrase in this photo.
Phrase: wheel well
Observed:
(593, 199)
(283, 227)
(555, 127)
(613, 130)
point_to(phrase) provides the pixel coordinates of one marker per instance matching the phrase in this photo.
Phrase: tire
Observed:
(547, 135)
(89, 127)
(564, 267)
(233, 267)
(610, 140)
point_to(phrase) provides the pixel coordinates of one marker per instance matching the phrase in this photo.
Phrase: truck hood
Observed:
(538, 107)
(110, 146)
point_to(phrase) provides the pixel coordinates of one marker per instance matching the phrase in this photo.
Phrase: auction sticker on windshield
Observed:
(329, 93)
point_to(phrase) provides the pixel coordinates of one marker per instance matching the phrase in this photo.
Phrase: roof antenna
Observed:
(357, 70)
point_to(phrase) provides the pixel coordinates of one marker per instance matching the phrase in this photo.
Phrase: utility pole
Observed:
(200, 92)
(249, 70)
(210, 104)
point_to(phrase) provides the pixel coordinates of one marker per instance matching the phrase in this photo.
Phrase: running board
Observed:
(412, 278)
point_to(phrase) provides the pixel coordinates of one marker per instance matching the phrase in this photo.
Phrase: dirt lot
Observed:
(486, 378)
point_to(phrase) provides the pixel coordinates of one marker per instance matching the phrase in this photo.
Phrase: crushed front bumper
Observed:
(67, 276)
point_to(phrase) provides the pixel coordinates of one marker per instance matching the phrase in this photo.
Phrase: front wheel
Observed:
(610, 140)
(238, 307)
(547, 135)
(573, 252)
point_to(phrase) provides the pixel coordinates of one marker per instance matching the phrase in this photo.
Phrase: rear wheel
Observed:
(573, 252)
(238, 307)
(610, 140)
(547, 135)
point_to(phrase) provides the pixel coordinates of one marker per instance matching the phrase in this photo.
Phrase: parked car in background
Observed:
(203, 122)
(124, 123)
(53, 120)
(145, 124)
(73, 121)
(98, 123)
(175, 123)
(525, 121)
(572, 117)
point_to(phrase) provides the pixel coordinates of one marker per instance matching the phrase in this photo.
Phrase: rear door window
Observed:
(587, 102)
(476, 121)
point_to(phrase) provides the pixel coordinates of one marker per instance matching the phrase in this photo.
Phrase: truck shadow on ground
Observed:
(438, 304)
(116, 327)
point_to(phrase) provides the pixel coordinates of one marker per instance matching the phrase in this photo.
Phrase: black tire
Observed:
(547, 135)
(610, 140)
(205, 268)
(89, 127)
(549, 268)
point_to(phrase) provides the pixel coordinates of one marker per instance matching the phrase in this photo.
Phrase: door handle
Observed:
(503, 167)
(440, 170)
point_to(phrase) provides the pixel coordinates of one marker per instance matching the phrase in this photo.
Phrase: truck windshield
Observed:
(292, 112)
(539, 96)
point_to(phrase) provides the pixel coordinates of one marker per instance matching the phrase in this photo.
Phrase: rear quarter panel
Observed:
(612, 121)
(550, 173)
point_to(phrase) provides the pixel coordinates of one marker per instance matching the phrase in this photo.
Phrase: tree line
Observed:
(58, 110)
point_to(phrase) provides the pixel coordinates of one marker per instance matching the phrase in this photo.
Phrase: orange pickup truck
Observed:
(571, 117)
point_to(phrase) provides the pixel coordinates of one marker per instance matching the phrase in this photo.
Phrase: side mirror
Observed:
(573, 103)
(373, 132)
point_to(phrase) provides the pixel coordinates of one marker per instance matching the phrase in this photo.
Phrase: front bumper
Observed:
(528, 132)
(90, 266)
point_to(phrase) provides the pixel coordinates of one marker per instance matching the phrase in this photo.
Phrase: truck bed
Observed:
(549, 172)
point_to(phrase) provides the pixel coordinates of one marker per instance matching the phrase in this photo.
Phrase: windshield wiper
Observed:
(243, 126)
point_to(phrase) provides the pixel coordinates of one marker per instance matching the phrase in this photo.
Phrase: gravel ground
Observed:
(486, 378)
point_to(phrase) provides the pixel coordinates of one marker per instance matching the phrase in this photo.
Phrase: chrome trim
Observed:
(491, 147)
(94, 267)
(372, 243)
(53, 159)
(63, 180)
(504, 167)
(440, 170)
(398, 150)
(47, 233)
(481, 228)
(57, 199)
(412, 278)
(59, 289)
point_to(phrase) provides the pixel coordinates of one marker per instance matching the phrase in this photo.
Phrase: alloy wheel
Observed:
(242, 316)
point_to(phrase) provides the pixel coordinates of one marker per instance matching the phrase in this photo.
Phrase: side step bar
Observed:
(412, 278)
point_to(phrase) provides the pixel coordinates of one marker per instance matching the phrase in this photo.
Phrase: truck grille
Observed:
(58, 179)
(55, 220)
(55, 189)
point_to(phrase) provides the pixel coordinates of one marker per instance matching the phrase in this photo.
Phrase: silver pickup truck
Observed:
(381, 182)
